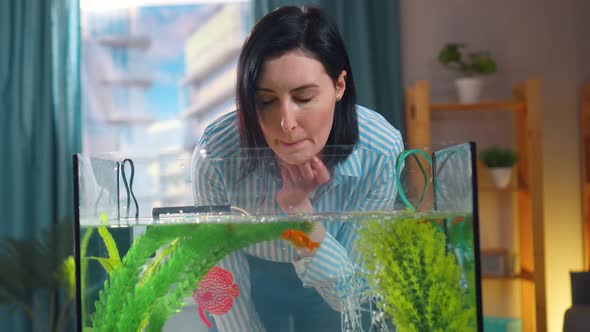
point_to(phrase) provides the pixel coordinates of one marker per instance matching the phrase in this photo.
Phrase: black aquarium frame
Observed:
(76, 233)
(476, 243)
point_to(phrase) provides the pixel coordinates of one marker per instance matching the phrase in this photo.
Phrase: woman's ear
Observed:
(341, 85)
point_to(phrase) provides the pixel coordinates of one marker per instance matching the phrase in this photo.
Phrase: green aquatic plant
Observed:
(114, 260)
(143, 291)
(68, 268)
(83, 268)
(460, 242)
(407, 262)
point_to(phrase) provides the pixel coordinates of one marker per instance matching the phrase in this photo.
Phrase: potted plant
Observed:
(499, 161)
(471, 68)
(35, 272)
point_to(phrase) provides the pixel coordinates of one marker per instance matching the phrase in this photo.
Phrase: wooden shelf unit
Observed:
(526, 105)
(585, 142)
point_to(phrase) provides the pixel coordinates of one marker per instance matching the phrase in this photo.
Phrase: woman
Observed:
(295, 97)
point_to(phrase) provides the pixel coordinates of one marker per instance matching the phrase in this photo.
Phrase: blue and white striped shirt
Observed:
(365, 181)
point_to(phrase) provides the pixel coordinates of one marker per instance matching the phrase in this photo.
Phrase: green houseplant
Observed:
(499, 161)
(471, 67)
(37, 277)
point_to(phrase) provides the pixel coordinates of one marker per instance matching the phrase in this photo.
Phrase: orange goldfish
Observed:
(458, 220)
(299, 239)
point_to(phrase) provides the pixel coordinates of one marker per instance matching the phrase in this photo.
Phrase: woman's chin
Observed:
(295, 158)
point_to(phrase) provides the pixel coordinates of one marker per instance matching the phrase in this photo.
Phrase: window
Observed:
(155, 74)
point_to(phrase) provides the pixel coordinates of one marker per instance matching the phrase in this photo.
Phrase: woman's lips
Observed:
(291, 144)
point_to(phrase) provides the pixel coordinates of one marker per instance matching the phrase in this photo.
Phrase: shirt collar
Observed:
(351, 166)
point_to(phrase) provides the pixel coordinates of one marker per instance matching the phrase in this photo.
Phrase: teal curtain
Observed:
(39, 122)
(371, 32)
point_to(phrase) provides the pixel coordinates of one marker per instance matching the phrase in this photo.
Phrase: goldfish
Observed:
(216, 293)
(299, 239)
(458, 220)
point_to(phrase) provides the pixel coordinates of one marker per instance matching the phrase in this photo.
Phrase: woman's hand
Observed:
(298, 182)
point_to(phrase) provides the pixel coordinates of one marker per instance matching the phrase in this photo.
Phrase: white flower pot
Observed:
(501, 176)
(469, 89)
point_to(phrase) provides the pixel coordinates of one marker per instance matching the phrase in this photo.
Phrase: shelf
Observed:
(505, 105)
(141, 82)
(127, 120)
(209, 105)
(524, 275)
(122, 41)
(197, 77)
(491, 188)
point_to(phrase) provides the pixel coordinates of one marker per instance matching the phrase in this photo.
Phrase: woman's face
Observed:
(295, 100)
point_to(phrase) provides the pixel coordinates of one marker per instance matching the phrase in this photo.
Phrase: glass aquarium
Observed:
(391, 245)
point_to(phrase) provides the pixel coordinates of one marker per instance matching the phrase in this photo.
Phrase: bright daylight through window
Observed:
(155, 74)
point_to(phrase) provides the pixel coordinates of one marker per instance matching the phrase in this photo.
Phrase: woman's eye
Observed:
(263, 103)
(303, 100)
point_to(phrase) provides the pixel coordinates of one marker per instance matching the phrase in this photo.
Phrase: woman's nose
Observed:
(288, 119)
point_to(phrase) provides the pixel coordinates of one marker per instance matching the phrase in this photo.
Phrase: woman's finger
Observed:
(306, 171)
(322, 175)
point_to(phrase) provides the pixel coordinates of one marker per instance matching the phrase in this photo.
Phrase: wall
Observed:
(583, 27)
(541, 38)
